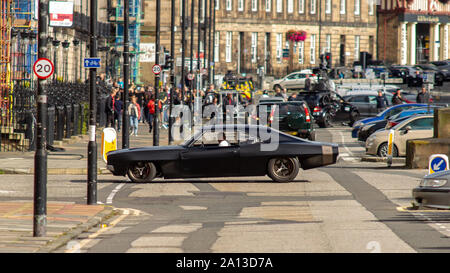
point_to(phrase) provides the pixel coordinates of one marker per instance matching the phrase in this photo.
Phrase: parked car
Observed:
(294, 118)
(444, 67)
(371, 127)
(294, 80)
(244, 154)
(416, 127)
(438, 75)
(384, 115)
(328, 107)
(433, 191)
(366, 101)
(402, 71)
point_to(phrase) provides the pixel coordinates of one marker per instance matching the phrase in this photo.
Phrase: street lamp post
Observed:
(158, 46)
(65, 45)
(172, 68)
(55, 44)
(76, 43)
(126, 67)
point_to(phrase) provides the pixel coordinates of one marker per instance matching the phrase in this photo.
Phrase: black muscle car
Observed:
(223, 151)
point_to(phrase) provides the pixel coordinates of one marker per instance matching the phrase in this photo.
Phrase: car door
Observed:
(206, 158)
(372, 106)
(290, 81)
(421, 127)
(362, 103)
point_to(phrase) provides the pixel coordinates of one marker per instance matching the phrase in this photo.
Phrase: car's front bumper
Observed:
(355, 131)
(432, 197)
(371, 147)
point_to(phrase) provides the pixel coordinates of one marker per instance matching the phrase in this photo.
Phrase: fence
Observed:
(68, 111)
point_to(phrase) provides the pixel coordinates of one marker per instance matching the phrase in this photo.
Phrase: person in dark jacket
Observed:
(307, 83)
(382, 101)
(109, 108)
(422, 96)
(118, 106)
(397, 98)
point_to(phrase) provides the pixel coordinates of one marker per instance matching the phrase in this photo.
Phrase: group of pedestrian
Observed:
(382, 102)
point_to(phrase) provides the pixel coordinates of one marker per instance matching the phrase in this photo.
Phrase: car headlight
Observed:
(433, 182)
(366, 127)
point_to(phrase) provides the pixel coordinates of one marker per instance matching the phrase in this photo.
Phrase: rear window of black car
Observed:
(283, 108)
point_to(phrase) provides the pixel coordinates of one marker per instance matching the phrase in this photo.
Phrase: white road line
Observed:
(113, 193)
(343, 141)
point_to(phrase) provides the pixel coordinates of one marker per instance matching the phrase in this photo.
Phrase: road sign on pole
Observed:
(437, 163)
(92, 62)
(156, 69)
(43, 68)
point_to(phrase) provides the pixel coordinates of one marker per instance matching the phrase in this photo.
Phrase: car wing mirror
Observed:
(407, 129)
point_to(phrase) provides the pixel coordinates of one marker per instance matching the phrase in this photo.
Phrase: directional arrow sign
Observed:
(92, 62)
(438, 163)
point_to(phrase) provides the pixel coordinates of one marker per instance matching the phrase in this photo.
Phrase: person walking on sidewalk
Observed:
(134, 112)
(109, 108)
(151, 112)
(118, 107)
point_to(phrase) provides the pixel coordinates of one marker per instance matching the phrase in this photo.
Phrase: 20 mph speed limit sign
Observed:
(43, 68)
(156, 69)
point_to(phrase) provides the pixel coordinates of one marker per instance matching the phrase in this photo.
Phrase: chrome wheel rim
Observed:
(283, 167)
(140, 171)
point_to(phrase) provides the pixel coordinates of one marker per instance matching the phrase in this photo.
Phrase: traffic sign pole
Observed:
(40, 158)
(157, 67)
(92, 145)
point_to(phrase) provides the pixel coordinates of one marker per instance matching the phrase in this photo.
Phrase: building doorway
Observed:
(423, 43)
(342, 51)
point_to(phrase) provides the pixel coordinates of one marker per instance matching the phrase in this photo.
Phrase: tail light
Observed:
(391, 124)
(308, 117)
(317, 109)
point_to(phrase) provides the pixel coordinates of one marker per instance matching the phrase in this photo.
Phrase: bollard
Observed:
(68, 113)
(60, 122)
(51, 125)
(76, 119)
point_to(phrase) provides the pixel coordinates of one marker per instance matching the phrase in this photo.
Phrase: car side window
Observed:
(372, 99)
(421, 124)
(292, 77)
(360, 99)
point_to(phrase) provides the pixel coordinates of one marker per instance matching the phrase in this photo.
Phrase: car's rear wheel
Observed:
(140, 172)
(383, 150)
(326, 121)
(283, 169)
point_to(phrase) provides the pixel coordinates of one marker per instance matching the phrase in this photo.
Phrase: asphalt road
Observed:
(352, 206)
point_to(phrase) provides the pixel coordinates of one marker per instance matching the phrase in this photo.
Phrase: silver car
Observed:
(433, 191)
(294, 80)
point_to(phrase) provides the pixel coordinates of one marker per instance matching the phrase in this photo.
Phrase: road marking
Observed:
(113, 193)
(77, 247)
(343, 141)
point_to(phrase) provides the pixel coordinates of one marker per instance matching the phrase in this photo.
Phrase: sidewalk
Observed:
(65, 220)
(73, 160)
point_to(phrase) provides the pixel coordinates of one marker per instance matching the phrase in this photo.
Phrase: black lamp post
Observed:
(76, 43)
(65, 45)
(55, 44)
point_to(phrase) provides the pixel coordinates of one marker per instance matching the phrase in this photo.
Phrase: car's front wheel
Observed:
(283, 169)
(141, 172)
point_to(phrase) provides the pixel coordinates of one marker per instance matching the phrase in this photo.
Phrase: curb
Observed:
(397, 160)
(53, 171)
(63, 239)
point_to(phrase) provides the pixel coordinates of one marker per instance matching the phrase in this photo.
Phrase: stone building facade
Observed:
(412, 32)
(251, 34)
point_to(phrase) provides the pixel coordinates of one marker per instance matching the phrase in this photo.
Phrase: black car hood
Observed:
(147, 148)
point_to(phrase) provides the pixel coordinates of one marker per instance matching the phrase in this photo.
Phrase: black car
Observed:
(249, 150)
(439, 77)
(294, 117)
(370, 128)
(329, 107)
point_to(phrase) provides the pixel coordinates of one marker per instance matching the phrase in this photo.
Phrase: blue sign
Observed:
(92, 62)
(438, 164)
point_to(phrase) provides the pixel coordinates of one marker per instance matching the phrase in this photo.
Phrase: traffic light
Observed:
(328, 59)
(167, 60)
(323, 65)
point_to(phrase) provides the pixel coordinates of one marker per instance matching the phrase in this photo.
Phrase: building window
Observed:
(254, 47)
(279, 6)
(268, 5)
(254, 5)
(217, 4)
(313, 6)
(228, 46)
(279, 46)
(327, 6)
(229, 4)
(240, 5)
(328, 43)
(357, 48)
(216, 47)
(312, 57)
(290, 6)
(301, 6)
(301, 52)
(357, 7)
(371, 7)
(343, 7)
